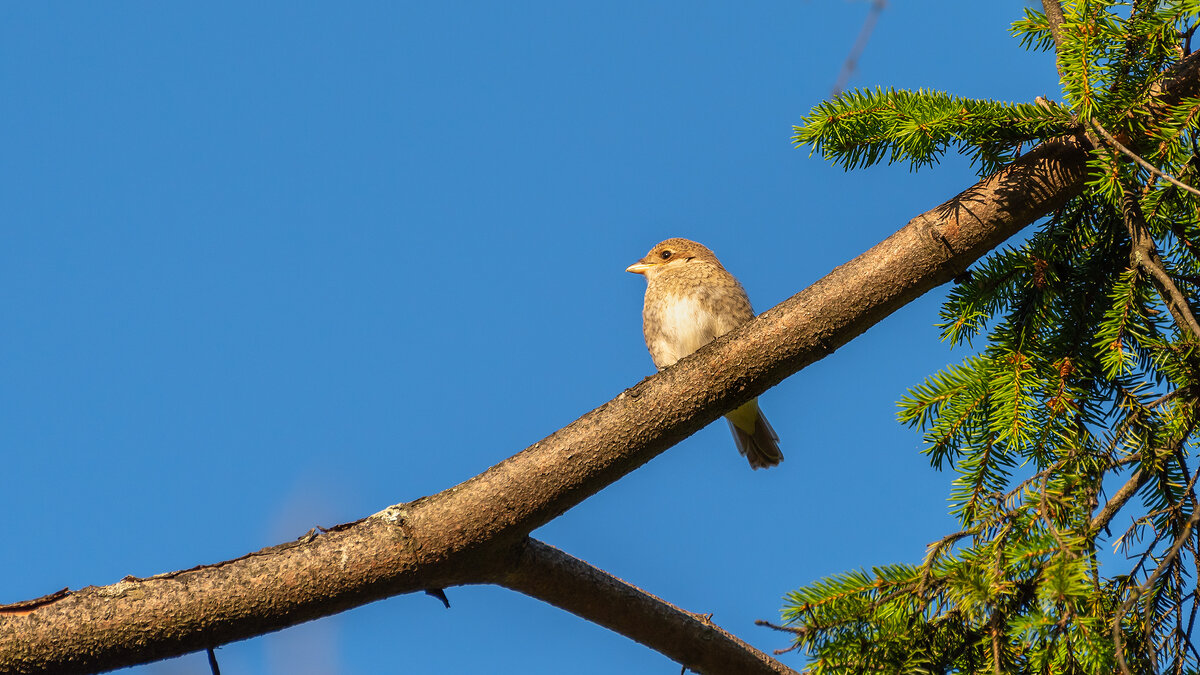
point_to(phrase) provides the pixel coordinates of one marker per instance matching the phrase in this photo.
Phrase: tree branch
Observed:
(456, 536)
(1145, 255)
(1167, 561)
(548, 574)
(1119, 499)
(860, 44)
(1054, 16)
(468, 533)
(1154, 170)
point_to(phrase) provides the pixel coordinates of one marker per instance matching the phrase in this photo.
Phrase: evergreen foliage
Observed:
(1071, 433)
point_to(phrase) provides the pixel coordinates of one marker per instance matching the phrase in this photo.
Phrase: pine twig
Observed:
(795, 630)
(1118, 500)
(1148, 611)
(798, 630)
(933, 551)
(860, 45)
(1167, 561)
(1113, 142)
(1145, 253)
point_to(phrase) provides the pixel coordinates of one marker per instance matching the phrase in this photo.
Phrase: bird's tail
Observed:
(754, 436)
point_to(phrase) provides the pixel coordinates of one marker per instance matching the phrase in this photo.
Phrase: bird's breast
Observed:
(678, 324)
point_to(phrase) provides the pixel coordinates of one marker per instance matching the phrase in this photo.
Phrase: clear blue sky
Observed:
(266, 266)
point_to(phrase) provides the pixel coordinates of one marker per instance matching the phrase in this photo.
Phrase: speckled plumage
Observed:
(690, 300)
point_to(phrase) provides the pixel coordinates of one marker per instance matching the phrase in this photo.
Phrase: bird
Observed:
(691, 300)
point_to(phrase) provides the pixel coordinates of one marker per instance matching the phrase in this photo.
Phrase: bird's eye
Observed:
(665, 255)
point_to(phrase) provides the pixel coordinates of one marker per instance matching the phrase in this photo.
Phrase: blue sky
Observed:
(266, 266)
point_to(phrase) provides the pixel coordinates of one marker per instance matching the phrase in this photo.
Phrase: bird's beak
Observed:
(638, 268)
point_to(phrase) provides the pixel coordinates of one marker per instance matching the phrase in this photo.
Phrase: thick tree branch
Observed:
(452, 537)
(466, 534)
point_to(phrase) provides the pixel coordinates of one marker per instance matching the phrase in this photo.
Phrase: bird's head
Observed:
(670, 254)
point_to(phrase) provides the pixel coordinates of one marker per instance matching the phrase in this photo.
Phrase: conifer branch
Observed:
(1116, 144)
(795, 630)
(934, 551)
(1136, 480)
(1054, 16)
(1145, 255)
(1147, 587)
(1183, 537)
(1076, 341)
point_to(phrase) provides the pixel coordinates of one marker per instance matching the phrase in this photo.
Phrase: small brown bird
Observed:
(690, 300)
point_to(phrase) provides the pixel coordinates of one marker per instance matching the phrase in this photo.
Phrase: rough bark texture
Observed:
(469, 533)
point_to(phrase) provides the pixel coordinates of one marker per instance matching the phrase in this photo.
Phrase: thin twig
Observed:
(1063, 462)
(1128, 490)
(1147, 613)
(1108, 138)
(1042, 513)
(1187, 38)
(860, 45)
(1132, 417)
(1184, 537)
(212, 662)
(934, 551)
(1167, 561)
(798, 630)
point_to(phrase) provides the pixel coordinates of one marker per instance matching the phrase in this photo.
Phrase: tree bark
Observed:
(476, 532)
(693, 640)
